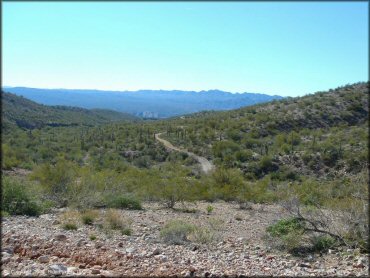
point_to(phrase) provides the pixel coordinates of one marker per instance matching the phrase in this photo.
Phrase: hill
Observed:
(28, 114)
(144, 103)
(311, 135)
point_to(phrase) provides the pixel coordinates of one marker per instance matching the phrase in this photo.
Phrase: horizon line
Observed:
(123, 91)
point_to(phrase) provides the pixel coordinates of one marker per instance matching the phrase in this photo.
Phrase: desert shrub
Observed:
(70, 219)
(322, 242)
(207, 232)
(116, 221)
(123, 202)
(287, 233)
(142, 161)
(176, 232)
(226, 183)
(285, 226)
(92, 237)
(17, 200)
(260, 192)
(172, 184)
(126, 231)
(238, 217)
(202, 235)
(244, 155)
(209, 209)
(88, 217)
(268, 165)
(9, 157)
(4, 213)
(186, 210)
(223, 148)
(216, 224)
(55, 179)
(343, 217)
(69, 226)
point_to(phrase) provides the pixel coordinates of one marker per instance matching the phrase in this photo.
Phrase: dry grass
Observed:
(116, 221)
(88, 217)
(70, 219)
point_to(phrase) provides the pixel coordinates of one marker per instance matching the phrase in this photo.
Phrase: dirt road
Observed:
(205, 164)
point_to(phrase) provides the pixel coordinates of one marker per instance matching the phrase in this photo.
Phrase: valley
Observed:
(185, 139)
(271, 189)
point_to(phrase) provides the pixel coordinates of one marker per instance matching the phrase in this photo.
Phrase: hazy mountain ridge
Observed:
(144, 103)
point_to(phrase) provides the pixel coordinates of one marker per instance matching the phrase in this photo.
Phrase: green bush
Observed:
(17, 200)
(123, 202)
(126, 231)
(285, 226)
(4, 213)
(322, 243)
(88, 217)
(176, 232)
(287, 233)
(92, 237)
(69, 226)
(209, 209)
(55, 179)
(87, 220)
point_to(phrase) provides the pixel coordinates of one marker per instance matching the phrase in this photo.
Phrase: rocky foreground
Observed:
(41, 247)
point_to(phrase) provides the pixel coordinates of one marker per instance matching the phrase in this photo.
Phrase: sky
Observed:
(284, 48)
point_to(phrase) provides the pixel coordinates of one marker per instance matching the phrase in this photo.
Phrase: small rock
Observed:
(81, 242)
(361, 263)
(120, 244)
(156, 251)
(361, 260)
(55, 222)
(72, 269)
(44, 259)
(163, 258)
(95, 271)
(5, 255)
(130, 250)
(61, 237)
(98, 244)
(5, 260)
(192, 269)
(9, 250)
(56, 269)
(305, 265)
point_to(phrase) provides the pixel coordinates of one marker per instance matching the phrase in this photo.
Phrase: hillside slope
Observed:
(320, 134)
(28, 114)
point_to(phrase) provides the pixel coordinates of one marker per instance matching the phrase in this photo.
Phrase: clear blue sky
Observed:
(275, 48)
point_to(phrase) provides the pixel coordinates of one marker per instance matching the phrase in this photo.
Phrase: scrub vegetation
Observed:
(308, 154)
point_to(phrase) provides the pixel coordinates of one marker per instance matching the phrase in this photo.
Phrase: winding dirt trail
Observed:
(205, 164)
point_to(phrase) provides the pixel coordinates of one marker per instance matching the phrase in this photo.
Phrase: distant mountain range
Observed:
(144, 103)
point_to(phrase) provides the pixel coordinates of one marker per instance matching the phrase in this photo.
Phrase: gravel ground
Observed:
(40, 247)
